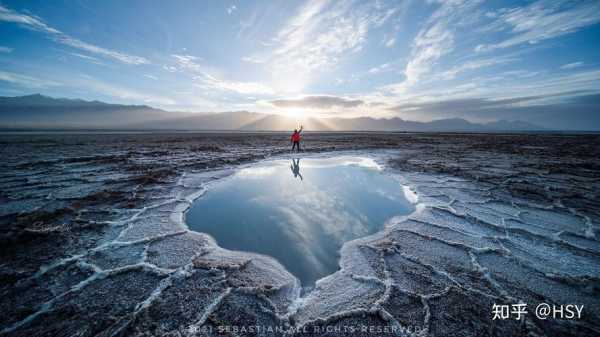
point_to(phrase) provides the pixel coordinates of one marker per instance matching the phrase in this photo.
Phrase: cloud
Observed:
(318, 36)
(152, 77)
(317, 102)
(458, 23)
(389, 42)
(434, 40)
(253, 59)
(542, 20)
(121, 57)
(472, 65)
(90, 59)
(170, 68)
(205, 78)
(559, 110)
(579, 81)
(231, 9)
(5, 49)
(572, 65)
(36, 24)
(430, 45)
(187, 61)
(26, 80)
(502, 85)
(27, 21)
(380, 68)
(85, 57)
(467, 104)
(238, 87)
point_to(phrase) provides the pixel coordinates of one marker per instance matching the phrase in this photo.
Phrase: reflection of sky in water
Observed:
(299, 212)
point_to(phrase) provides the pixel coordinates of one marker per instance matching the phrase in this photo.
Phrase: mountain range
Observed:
(43, 112)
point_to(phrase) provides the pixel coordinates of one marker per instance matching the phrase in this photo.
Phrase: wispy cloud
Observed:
(85, 57)
(544, 110)
(472, 65)
(470, 104)
(5, 49)
(506, 89)
(542, 20)
(36, 24)
(231, 9)
(389, 41)
(383, 68)
(319, 35)
(572, 65)
(121, 57)
(455, 24)
(578, 81)
(245, 88)
(207, 79)
(434, 40)
(90, 59)
(26, 80)
(188, 62)
(390, 37)
(253, 59)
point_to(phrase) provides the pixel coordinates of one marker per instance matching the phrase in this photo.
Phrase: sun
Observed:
(297, 114)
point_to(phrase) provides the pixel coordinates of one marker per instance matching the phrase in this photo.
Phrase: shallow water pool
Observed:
(299, 211)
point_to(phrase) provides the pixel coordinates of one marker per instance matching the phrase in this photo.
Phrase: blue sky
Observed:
(536, 61)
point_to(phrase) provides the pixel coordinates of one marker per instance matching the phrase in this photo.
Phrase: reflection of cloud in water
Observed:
(340, 161)
(303, 223)
(297, 228)
(271, 168)
(326, 210)
(314, 216)
(256, 172)
(385, 194)
(315, 219)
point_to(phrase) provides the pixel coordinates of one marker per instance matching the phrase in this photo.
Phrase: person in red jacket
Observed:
(296, 139)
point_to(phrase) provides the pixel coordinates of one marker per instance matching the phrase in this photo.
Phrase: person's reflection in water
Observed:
(295, 166)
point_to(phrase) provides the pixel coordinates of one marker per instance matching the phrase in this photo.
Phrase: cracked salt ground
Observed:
(118, 260)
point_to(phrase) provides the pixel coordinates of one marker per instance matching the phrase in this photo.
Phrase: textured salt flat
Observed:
(94, 241)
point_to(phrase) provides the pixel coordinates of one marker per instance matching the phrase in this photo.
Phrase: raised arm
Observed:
(300, 128)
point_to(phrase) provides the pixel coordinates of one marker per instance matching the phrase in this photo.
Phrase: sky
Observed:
(535, 61)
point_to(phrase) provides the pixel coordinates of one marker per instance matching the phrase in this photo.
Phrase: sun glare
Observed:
(296, 114)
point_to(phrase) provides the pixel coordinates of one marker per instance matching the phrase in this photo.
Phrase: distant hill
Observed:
(43, 112)
(233, 120)
(38, 111)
